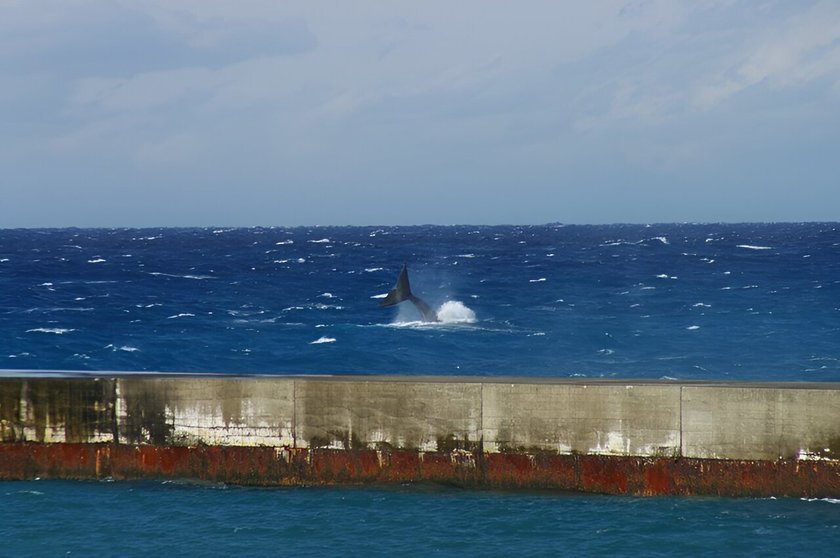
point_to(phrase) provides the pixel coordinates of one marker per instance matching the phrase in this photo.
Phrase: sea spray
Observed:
(455, 312)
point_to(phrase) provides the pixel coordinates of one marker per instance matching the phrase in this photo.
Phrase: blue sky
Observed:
(209, 113)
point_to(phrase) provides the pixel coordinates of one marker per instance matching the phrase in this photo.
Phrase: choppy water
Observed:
(754, 301)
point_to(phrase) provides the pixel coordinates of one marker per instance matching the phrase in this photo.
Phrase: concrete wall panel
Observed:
(212, 411)
(360, 413)
(599, 419)
(732, 422)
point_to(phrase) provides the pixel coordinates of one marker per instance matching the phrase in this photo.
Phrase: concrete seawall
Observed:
(633, 437)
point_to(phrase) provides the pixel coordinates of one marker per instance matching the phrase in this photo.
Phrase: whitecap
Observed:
(4, 260)
(55, 330)
(195, 277)
(752, 247)
(320, 241)
(540, 280)
(181, 315)
(383, 295)
(662, 276)
(537, 334)
(96, 260)
(280, 261)
(373, 269)
(301, 260)
(324, 339)
(661, 239)
(464, 255)
(284, 242)
(693, 327)
(701, 305)
(125, 348)
(327, 295)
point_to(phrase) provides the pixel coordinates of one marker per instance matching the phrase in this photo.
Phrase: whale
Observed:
(402, 292)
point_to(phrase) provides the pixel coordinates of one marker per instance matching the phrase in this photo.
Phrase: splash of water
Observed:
(455, 312)
(451, 312)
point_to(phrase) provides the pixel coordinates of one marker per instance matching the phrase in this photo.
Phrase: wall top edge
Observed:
(12, 375)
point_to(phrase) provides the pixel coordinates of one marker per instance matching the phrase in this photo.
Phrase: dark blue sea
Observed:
(672, 301)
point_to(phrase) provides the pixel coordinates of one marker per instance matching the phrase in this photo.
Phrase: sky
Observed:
(143, 113)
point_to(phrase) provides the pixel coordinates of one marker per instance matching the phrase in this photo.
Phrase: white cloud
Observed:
(457, 96)
(790, 52)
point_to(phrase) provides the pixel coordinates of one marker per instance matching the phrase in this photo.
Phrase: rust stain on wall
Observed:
(268, 466)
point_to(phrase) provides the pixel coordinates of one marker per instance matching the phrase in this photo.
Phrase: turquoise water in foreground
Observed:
(57, 518)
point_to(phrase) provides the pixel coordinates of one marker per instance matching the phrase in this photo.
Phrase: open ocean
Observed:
(671, 301)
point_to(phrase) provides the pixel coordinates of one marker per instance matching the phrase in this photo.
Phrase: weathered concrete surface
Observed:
(743, 422)
(229, 412)
(626, 437)
(58, 410)
(589, 419)
(377, 414)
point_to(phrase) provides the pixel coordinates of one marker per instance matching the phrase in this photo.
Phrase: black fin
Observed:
(400, 292)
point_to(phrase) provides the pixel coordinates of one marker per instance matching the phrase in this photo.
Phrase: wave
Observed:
(96, 260)
(55, 330)
(195, 277)
(752, 247)
(57, 309)
(126, 348)
(181, 315)
(322, 340)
